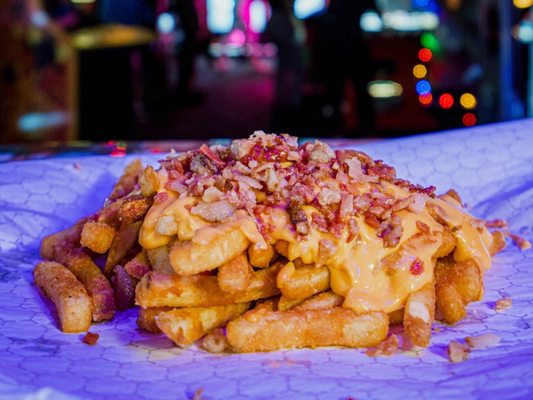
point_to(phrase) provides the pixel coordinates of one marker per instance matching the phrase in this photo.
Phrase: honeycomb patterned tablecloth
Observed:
(490, 166)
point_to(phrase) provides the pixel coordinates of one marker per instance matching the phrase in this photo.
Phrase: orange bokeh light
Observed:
(425, 99)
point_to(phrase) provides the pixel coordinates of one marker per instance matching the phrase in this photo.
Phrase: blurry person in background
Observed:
(343, 54)
(187, 50)
(288, 34)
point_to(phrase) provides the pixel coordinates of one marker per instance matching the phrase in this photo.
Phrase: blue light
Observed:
(166, 23)
(421, 3)
(305, 8)
(423, 87)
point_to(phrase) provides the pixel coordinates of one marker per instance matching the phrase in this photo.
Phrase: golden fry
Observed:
(67, 293)
(235, 275)
(188, 258)
(186, 325)
(125, 239)
(146, 318)
(97, 236)
(126, 183)
(419, 314)
(302, 282)
(133, 209)
(261, 258)
(159, 290)
(159, 259)
(274, 330)
(285, 303)
(321, 301)
(215, 341)
(448, 243)
(498, 242)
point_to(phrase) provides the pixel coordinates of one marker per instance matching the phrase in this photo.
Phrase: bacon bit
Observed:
(454, 195)
(388, 347)
(457, 228)
(417, 267)
(353, 230)
(458, 352)
(198, 394)
(391, 231)
(319, 221)
(422, 226)
(503, 304)
(137, 268)
(382, 170)
(204, 149)
(520, 241)
(496, 223)
(371, 220)
(91, 338)
(483, 341)
(160, 197)
(76, 166)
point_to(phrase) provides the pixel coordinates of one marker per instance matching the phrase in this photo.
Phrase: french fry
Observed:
(188, 258)
(215, 341)
(285, 303)
(448, 243)
(149, 181)
(159, 260)
(72, 302)
(159, 290)
(282, 247)
(133, 208)
(235, 275)
(419, 314)
(125, 239)
(273, 330)
(138, 266)
(128, 180)
(321, 301)
(261, 258)
(97, 236)
(302, 282)
(146, 318)
(396, 317)
(57, 248)
(186, 325)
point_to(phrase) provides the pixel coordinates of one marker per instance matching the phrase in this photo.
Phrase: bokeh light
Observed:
(423, 87)
(468, 101)
(446, 100)
(469, 119)
(420, 71)
(523, 3)
(425, 99)
(425, 55)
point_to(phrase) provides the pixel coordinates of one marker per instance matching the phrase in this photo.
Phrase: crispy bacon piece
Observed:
(91, 338)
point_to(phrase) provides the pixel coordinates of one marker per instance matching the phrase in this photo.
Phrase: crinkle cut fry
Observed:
(274, 330)
(68, 295)
(160, 290)
(63, 248)
(419, 314)
(186, 325)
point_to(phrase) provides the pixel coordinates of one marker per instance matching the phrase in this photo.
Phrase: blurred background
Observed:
(197, 69)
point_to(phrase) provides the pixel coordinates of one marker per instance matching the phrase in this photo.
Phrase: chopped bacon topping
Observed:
(273, 171)
(458, 352)
(503, 304)
(520, 241)
(160, 197)
(91, 338)
(417, 267)
(496, 223)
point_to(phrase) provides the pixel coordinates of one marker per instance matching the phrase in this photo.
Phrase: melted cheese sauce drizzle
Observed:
(354, 266)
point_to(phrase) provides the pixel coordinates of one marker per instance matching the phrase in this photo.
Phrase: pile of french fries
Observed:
(227, 293)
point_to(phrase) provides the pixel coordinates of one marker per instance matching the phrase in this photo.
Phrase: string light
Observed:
(468, 101)
(420, 71)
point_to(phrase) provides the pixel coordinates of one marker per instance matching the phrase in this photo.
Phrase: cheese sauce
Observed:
(356, 266)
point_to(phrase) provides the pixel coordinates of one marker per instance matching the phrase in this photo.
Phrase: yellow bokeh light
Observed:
(468, 101)
(523, 3)
(419, 71)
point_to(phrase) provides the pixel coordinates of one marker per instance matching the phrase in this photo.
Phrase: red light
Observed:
(425, 55)
(425, 99)
(446, 100)
(469, 119)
